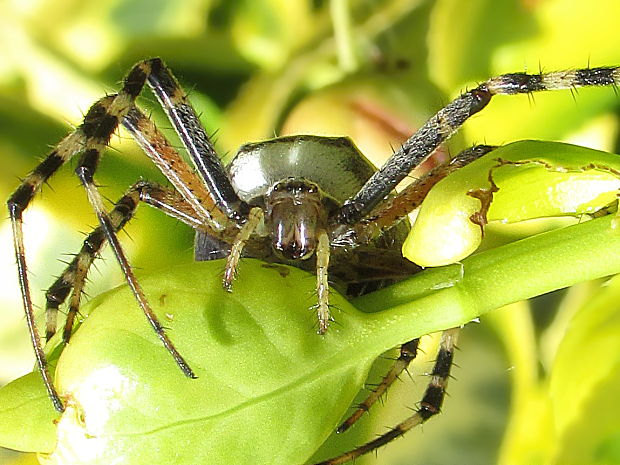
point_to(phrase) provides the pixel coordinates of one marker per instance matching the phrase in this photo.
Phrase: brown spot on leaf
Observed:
(284, 271)
(485, 195)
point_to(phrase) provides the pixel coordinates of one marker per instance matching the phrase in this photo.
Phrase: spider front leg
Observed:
(394, 209)
(449, 119)
(430, 404)
(368, 213)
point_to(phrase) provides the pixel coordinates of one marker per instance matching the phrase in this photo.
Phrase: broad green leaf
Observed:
(263, 373)
(27, 415)
(537, 179)
(585, 382)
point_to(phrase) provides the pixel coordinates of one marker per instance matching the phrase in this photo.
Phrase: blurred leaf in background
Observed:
(370, 69)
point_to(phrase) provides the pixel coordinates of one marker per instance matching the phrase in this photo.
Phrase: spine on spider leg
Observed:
(86, 177)
(408, 352)
(74, 276)
(232, 261)
(89, 138)
(186, 182)
(435, 392)
(16, 210)
(99, 124)
(17, 203)
(195, 139)
(429, 406)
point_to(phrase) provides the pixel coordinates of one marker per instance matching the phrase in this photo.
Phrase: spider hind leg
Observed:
(408, 353)
(429, 406)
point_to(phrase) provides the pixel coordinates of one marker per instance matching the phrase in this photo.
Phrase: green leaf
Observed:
(263, 373)
(27, 415)
(539, 179)
(585, 382)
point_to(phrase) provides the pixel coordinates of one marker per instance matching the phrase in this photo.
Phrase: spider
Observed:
(327, 211)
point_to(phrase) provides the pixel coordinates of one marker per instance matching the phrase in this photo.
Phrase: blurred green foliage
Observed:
(256, 68)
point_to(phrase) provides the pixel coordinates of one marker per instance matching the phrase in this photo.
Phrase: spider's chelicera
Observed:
(313, 202)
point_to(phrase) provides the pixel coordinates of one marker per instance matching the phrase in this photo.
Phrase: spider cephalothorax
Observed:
(312, 201)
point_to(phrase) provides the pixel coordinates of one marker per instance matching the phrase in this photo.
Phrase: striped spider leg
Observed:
(382, 218)
(371, 211)
(429, 406)
(168, 200)
(212, 199)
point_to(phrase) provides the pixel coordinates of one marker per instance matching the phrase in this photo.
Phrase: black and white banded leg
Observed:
(449, 119)
(429, 406)
(73, 278)
(408, 353)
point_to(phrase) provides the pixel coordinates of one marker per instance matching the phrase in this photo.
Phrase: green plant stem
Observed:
(340, 12)
(489, 280)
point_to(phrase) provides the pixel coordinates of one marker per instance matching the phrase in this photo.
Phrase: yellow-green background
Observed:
(255, 68)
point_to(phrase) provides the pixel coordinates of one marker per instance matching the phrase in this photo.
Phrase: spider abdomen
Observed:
(333, 163)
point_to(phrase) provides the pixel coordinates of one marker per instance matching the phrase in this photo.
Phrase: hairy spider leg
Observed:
(74, 276)
(194, 138)
(382, 218)
(450, 118)
(17, 203)
(369, 212)
(408, 353)
(157, 147)
(232, 261)
(194, 207)
(394, 209)
(91, 138)
(322, 281)
(430, 404)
